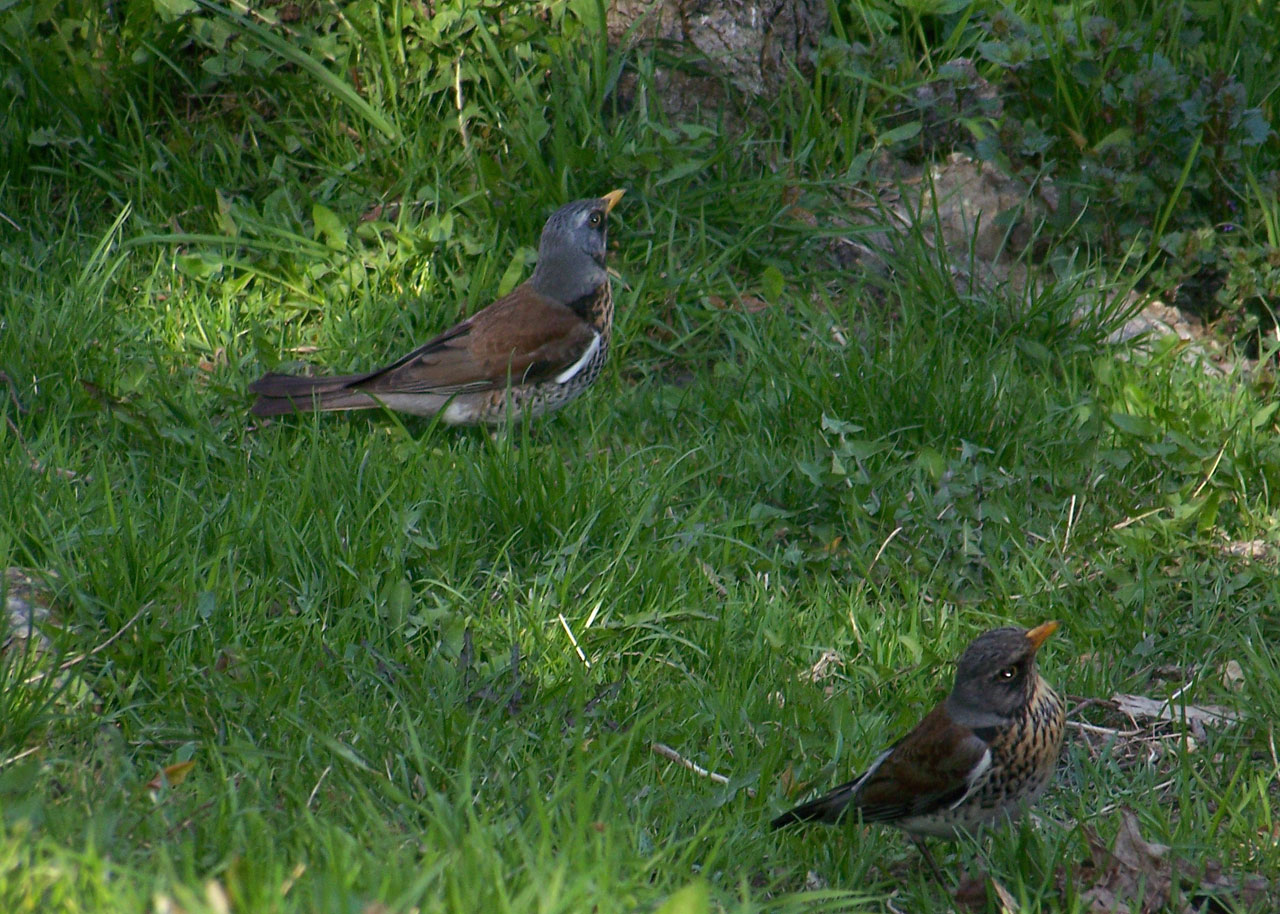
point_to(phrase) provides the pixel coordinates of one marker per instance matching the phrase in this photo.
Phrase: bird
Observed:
(531, 351)
(982, 755)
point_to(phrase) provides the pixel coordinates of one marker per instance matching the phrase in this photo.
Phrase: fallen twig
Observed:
(572, 640)
(667, 752)
(68, 664)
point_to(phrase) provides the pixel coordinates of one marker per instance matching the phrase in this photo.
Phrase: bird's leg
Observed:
(928, 858)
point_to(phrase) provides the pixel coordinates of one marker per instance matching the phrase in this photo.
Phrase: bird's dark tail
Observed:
(282, 394)
(827, 808)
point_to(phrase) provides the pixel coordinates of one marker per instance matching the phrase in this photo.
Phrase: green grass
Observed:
(358, 627)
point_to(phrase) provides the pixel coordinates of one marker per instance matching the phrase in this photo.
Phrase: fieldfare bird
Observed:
(531, 351)
(985, 753)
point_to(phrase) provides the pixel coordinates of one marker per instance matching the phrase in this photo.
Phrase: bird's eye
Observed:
(595, 219)
(1008, 673)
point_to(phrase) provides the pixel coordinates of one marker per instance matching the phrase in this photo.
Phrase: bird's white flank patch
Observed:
(564, 376)
(974, 777)
(871, 769)
(458, 412)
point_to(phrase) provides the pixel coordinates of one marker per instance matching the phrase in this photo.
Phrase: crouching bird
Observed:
(531, 351)
(982, 755)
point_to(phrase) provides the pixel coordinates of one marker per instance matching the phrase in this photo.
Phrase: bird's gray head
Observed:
(572, 250)
(996, 675)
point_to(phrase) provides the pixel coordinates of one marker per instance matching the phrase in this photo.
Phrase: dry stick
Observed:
(457, 95)
(1112, 807)
(66, 665)
(862, 583)
(1061, 585)
(36, 465)
(1271, 740)
(572, 640)
(13, 391)
(933, 867)
(1083, 702)
(17, 404)
(25, 752)
(316, 789)
(17, 434)
(1105, 731)
(1071, 520)
(185, 823)
(713, 578)
(883, 546)
(1213, 469)
(667, 752)
(662, 660)
(1133, 520)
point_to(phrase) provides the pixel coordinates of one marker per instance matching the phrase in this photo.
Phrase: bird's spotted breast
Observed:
(1023, 756)
(596, 308)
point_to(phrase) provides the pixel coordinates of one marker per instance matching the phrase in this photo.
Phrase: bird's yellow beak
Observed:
(1038, 635)
(611, 199)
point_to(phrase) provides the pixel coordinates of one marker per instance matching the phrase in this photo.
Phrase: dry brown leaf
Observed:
(218, 360)
(823, 667)
(1136, 876)
(971, 893)
(1217, 891)
(800, 214)
(1257, 550)
(787, 780)
(171, 775)
(1008, 904)
(1100, 901)
(750, 303)
(1133, 872)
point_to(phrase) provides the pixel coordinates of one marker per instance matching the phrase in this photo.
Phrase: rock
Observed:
(720, 48)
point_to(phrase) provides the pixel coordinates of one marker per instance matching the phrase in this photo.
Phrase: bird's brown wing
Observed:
(522, 337)
(929, 769)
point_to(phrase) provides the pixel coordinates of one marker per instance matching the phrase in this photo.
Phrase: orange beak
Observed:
(611, 199)
(1038, 635)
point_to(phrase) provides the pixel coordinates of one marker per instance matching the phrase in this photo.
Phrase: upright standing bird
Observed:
(985, 753)
(531, 351)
